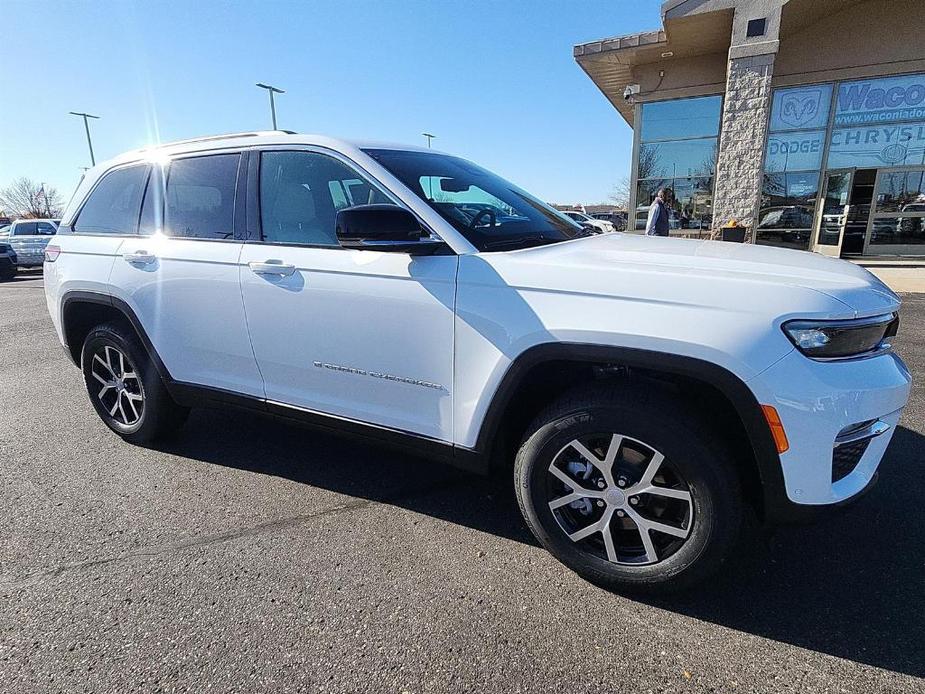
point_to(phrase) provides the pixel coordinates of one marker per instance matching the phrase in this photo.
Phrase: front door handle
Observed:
(139, 257)
(272, 267)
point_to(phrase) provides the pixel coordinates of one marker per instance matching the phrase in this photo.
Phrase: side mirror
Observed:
(382, 228)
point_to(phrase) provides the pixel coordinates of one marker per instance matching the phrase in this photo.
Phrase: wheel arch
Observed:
(523, 391)
(82, 310)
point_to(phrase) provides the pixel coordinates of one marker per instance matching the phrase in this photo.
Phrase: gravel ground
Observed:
(248, 555)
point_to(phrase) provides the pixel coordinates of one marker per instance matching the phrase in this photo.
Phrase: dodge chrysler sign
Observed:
(881, 101)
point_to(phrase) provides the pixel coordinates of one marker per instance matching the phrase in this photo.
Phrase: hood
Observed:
(699, 272)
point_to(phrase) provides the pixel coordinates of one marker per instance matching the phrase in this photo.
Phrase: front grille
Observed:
(846, 457)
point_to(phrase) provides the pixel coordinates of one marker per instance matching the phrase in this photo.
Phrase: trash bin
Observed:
(733, 231)
(734, 234)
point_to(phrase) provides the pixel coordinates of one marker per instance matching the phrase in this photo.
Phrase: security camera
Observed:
(630, 91)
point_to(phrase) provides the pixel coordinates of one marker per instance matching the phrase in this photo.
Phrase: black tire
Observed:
(143, 421)
(7, 273)
(693, 461)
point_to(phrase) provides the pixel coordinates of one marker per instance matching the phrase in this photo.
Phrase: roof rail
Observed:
(229, 136)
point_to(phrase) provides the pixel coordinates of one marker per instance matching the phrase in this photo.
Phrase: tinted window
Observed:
(903, 191)
(300, 193)
(45, 229)
(682, 158)
(114, 204)
(200, 197)
(681, 118)
(25, 229)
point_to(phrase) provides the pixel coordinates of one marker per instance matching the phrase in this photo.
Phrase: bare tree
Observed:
(649, 162)
(26, 199)
(620, 193)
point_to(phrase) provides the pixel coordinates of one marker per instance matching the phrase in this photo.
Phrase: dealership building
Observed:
(804, 120)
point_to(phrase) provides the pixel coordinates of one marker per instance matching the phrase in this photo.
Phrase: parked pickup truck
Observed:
(28, 238)
(642, 394)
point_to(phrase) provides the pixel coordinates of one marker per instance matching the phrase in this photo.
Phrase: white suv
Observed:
(643, 393)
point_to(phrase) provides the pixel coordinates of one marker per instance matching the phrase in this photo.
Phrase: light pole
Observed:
(272, 90)
(429, 138)
(85, 116)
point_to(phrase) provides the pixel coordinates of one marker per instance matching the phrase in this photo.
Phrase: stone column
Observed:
(746, 110)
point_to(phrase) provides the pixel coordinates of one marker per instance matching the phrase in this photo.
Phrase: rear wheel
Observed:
(628, 491)
(7, 273)
(125, 388)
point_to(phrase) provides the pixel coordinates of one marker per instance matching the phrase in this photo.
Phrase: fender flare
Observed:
(87, 297)
(775, 502)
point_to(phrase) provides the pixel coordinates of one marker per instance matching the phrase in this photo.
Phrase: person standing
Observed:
(658, 222)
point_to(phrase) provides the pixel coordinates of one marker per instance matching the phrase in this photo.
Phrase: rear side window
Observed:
(200, 197)
(45, 229)
(114, 205)
(24, 229)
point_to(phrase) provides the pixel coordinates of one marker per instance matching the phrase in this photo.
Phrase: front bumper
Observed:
(817, 402)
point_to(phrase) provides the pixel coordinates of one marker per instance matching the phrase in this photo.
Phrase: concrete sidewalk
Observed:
(901, 276)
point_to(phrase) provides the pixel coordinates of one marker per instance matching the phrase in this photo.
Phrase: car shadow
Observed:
(850, 585)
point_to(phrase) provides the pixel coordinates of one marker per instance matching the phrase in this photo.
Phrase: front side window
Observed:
(114, 204)
(491, 213)
(199, 198)
(45, 229)
(301, 192)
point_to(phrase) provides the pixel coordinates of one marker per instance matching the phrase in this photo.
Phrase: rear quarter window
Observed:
(115, 204)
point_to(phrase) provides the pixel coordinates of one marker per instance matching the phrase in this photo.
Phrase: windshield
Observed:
(490, 212)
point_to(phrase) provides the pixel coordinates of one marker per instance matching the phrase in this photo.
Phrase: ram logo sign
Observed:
(800, 107)
(881, 101)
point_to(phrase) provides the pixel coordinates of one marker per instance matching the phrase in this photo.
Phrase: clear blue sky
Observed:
(495, 81)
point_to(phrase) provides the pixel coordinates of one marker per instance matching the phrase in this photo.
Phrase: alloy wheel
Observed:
(121, 393)
(618, 498)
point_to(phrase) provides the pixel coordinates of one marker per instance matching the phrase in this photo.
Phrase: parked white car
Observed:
(28, 238)
(644, 394)
(583, 219)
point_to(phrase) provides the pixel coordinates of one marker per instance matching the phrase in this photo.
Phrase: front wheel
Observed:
(628, 491)
(125, 388)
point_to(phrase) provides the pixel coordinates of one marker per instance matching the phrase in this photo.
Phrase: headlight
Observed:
(842, 339)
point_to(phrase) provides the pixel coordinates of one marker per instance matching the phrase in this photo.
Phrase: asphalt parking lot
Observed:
(249, 555)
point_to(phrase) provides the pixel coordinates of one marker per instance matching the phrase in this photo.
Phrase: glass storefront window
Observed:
(898, 190)
(793, 163)
(693, 202)
(678, 150)
(801, 108)
(899, 209)
(894, 231)
(877, 146)
(795, 151)
(681, 158)
(881, 100)
(788, 203)
(680, 119)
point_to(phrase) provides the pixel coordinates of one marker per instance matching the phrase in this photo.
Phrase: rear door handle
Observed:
(272, 267)
(139, 258)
